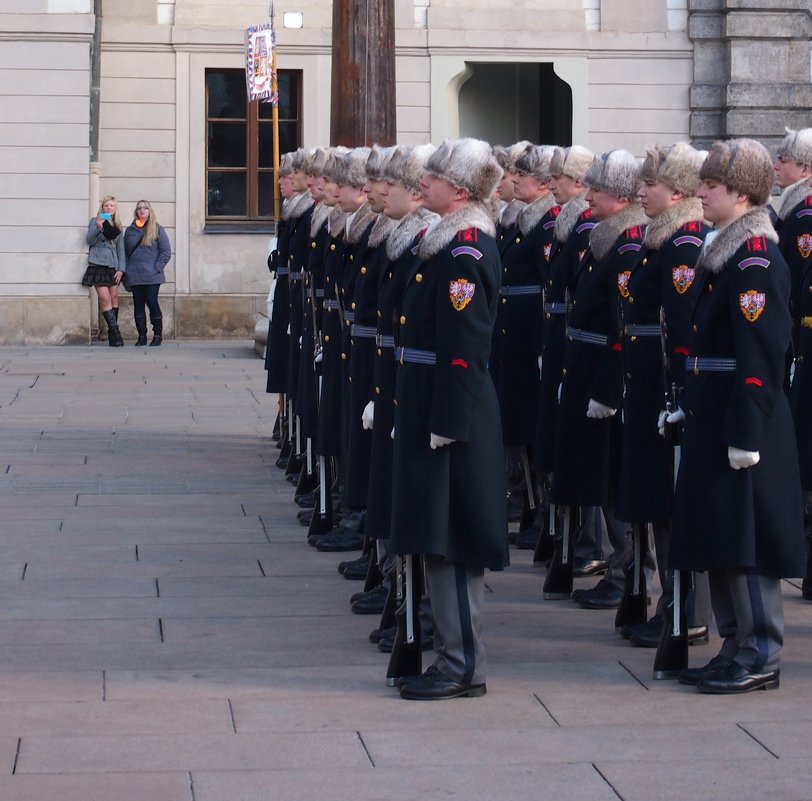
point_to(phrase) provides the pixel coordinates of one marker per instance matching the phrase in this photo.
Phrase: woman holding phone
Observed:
(148, 251)
(106, 264)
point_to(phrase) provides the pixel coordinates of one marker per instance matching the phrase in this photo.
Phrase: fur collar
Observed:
(510, 212)
(358, 222)
(665, 225)
(408, 228)
(381, 230)
(570, 212)
(336, 222)
(532, 213)
(472, 215)
(297, 205)
(320, 214)
(716, 253)
(793, 195)
(606, 232)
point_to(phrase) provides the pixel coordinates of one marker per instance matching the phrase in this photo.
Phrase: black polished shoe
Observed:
(372, 602)
(307, 500)
(697, 635)
(361, 563)
(733, 679)
(356, 571)
(589, 567)
(526, 540)
(692, 676)
(650, 629)
(344, 540)
(376, 635)
(386, 644)
(437, 687)
(602, 596)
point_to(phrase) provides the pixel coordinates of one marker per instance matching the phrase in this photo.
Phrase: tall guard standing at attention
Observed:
(448, 478)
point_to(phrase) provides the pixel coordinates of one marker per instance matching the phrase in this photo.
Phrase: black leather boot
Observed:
(113, 334)
(157, 331)
(141, 327)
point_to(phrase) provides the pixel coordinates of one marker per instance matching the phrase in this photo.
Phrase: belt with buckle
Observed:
(589, 337)
(363, 331)
(710, 364)
(415, 356)
(637, 330)
(384, 341)
(524, 289)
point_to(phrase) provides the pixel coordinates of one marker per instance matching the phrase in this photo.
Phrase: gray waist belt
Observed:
(330, 304)
(319, 293)
(282, 271)
(589, 337)
(415, 356)
(296, 276)
(710, 364)
(635, 330)
(384, 341)
(526, 289)
(363, 331)
(555, 308)
(349, 316)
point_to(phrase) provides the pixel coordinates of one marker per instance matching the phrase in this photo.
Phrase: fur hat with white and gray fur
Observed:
(535, 160)
(677, 166)
(616, 173)
(315, 160)
(467, 164)
(298, 159)
(351, 168)
(333, 160)
(571, 161)
(797, 145)
(742, 165)
(286, 164)
(408, 165)
(376, 161)
(506, 156)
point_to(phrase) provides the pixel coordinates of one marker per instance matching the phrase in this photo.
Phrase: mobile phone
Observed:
(106, 216)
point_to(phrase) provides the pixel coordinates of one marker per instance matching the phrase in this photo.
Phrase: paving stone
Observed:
(137, 786)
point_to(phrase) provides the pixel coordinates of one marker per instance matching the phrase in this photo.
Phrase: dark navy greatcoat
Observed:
(749, 519)
(661, 278)
(524, 269)
(564, 259)
(585, 466)
(276, 349)
(450, 502)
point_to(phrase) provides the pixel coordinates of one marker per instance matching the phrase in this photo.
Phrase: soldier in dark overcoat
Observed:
(662, 278)
(448, 476)
(738, 505)
(586, 448)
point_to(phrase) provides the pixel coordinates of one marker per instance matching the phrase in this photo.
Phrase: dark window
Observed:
(239, 144)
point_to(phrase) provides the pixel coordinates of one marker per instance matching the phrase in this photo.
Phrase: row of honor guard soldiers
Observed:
(624, 342)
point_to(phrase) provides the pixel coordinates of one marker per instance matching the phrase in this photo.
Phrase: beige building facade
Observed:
(604, 73)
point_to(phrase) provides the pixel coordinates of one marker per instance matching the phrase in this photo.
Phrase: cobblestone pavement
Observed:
(166, 634)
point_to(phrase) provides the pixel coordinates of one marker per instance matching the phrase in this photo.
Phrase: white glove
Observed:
(436, 441)
(599, 411)
(559, 392)
(392, 433)
(739, 458)
(319, 357)
(539, 365)
(677, 416)
(368, 416)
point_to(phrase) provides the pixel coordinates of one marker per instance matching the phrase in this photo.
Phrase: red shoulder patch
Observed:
(693, 226)
(808, 200)
(757, 244)
(468, 235)
(634, 233)
(421, 234)
(555, 211)
(586, 214)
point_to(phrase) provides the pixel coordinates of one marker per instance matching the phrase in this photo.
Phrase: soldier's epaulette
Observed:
(808, 200)
(586, 214)
(555, 211)
(585, 222)
(468, 235)
(756, 244)
(688, 238)
(805, 212)
(635, 232)
(693, 226)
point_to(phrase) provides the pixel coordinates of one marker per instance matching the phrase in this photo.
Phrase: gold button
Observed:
(350, 379)
(395, 402)
(390, 275)
(631, 299)
(327, 338)
(628, 375)
(332, 247)
(352, 305)
(377, 390)
(590, 268)
(503, 330)
(418, 277)
(549, 316)
(403, 320)
(379, 312)
(363, 271)
(710, 287)
(634, 339)
(380, 352)
(564, 371)
(695, 328)
(645, 261)
(313, 244)
(352, 342)
(574, 302)
(505, 270)
(327, 279)
(518, 239)
(352, 257)
(504, 301)
(343, 355)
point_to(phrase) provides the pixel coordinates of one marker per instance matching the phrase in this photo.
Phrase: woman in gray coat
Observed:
(148, 251)
(106, 264)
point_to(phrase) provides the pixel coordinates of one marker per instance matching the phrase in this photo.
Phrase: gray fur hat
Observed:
(506, 156)
(335, 154)
(535, 160)
(378, 156)
(298, 160)
(616, 173)
(797, 145)
(351, 168)
(571, 161)
(286, 164)
(742, 165)
(467, 164)
(408, 165)
(315, 160)
(677, 166)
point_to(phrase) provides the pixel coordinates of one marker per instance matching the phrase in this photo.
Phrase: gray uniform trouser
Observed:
(749, 611)
(457, 593)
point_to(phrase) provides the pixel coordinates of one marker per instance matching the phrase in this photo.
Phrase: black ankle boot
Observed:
(114, 338)
(141, 327)
(157, 331)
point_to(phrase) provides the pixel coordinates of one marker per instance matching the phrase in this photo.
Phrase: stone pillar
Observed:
(362, 107)
(751, 68)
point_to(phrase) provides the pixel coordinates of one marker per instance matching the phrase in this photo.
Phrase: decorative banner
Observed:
(260, 42)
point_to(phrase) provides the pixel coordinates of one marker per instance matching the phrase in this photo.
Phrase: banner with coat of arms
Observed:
(260, 42)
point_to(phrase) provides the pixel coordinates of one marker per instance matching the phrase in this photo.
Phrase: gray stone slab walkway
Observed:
(166, 634)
